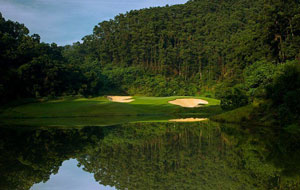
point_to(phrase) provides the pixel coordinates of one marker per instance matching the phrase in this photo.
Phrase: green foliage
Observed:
(43, 76)
(258, 76)
(234, 98)
(134, 80)
(284, 92)
(222, 88)
(280, 29)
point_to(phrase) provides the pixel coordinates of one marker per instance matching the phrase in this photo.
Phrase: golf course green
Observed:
(101, 111)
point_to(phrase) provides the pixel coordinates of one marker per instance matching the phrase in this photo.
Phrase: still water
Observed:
(70, 176)
(146, 156)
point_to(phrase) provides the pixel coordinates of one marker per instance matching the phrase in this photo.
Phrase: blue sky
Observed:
(67, 21)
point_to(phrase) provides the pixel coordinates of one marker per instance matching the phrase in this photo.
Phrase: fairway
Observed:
(101, 111)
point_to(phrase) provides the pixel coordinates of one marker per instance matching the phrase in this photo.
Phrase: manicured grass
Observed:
(100, 111)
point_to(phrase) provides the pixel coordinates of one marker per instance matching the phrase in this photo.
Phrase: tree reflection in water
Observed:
(139, 156)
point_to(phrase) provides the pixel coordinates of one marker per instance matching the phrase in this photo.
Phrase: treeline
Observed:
(29, 68)
(196, 45)
(200, 47)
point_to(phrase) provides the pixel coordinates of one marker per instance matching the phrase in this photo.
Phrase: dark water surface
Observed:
(146, 156)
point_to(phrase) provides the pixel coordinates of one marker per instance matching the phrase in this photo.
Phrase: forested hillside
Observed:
(182, 49)
(236, 50)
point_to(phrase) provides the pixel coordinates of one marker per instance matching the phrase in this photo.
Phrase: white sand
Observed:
(188, 120)
(188, 103)
(122, 99)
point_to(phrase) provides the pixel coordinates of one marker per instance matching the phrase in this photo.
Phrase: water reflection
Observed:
(70, 176)
(139, 156)
(190, 119)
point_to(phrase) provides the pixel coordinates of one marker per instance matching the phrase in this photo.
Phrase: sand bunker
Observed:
(122, 99)
(188, 120)
(188, 103)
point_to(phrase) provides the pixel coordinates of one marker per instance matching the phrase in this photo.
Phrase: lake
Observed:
(146, 156)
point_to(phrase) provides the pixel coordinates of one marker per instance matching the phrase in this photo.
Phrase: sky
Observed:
(67, 21)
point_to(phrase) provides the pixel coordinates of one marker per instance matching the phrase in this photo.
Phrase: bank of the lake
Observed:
(257, 113)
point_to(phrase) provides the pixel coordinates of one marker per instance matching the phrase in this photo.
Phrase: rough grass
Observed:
(238, 115)
(100, 111)
(246, 114)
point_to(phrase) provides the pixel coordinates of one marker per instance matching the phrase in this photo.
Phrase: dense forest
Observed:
(235, 50)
